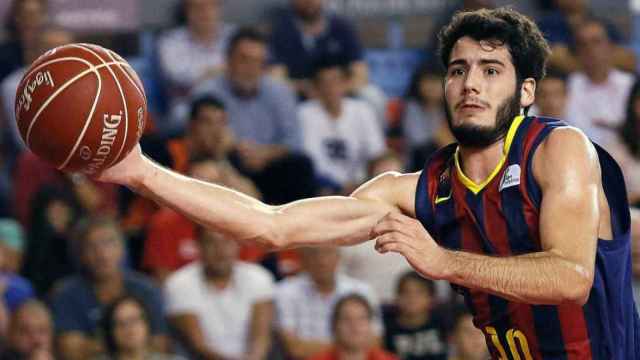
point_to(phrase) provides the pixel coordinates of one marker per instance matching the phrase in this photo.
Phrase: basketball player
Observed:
(524, 216)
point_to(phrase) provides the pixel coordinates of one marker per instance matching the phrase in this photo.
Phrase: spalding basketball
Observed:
(81, 108)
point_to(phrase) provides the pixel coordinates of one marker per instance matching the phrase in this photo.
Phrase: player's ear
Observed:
(527, 92)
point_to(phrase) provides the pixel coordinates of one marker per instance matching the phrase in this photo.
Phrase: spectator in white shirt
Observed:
(305, 302)
(339, 134)
(598, 93)
(221, 307)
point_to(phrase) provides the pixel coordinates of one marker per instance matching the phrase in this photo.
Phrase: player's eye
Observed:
(492, 71)
(456, 72)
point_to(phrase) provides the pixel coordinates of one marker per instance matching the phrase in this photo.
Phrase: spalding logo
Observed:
(109, 132)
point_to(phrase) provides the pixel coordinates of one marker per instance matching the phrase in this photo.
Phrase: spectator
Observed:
(340, 134)
(414, 329)
(48, 37)
(171, 241)
(560, 28)
(221, 307)
(14, 289)
(627, 150)
(194, 52)
(551, 95)
(424, 109)
(306, 33)
(635, 254)
(48, 256)
(79, 300)
(32, 174)
(467, 342)
(304, 302)
(362, 261)
(30, 334)
(11, 245)
(126, 329)
(261, 114)
(598, 93)
(24, 20)
(353, 334)
(424, 115)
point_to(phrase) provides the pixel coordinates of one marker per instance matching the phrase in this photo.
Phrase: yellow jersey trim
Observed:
(470, 184)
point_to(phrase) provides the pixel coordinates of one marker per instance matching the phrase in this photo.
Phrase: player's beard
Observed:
(476, 136)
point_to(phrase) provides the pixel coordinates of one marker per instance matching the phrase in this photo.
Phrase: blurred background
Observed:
(281, 100)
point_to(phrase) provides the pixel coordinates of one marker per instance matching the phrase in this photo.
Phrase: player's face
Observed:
(552, 97)
(353, 326)
(480, 92)
(103, 251)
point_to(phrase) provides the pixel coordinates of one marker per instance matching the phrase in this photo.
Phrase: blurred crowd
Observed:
(280, 113)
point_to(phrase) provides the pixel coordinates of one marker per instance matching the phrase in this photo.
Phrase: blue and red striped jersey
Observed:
(500, 217)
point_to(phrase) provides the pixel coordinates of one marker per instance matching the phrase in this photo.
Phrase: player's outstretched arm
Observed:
(567, 169)
(327, 220)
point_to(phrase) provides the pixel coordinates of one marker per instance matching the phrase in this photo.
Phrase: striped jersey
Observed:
(500, 217)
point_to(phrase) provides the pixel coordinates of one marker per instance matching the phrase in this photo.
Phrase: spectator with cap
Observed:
(79, 301)
(30, 335)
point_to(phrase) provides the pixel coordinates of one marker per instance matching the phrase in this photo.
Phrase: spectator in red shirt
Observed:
(353, 335)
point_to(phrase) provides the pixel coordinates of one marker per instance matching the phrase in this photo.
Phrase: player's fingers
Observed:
(389, 225)
(397, 247)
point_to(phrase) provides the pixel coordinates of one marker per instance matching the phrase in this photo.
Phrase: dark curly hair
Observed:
(527, 46)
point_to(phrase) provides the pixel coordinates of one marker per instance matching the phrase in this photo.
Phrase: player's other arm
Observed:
(567, 170)
(326, 220)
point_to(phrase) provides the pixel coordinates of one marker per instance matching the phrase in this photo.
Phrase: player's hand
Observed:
(128, 171)
(406, 236)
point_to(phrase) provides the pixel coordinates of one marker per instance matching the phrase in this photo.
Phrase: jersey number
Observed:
(521, 346)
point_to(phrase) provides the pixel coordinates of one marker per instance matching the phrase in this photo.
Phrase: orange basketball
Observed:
(80, 107)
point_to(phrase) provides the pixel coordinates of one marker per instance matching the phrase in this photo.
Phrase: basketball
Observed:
(81, 108)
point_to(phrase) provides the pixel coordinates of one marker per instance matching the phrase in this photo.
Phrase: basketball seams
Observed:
(124, 100)
(126, 74)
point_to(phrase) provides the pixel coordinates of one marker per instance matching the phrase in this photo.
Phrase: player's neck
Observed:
(478, 163)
